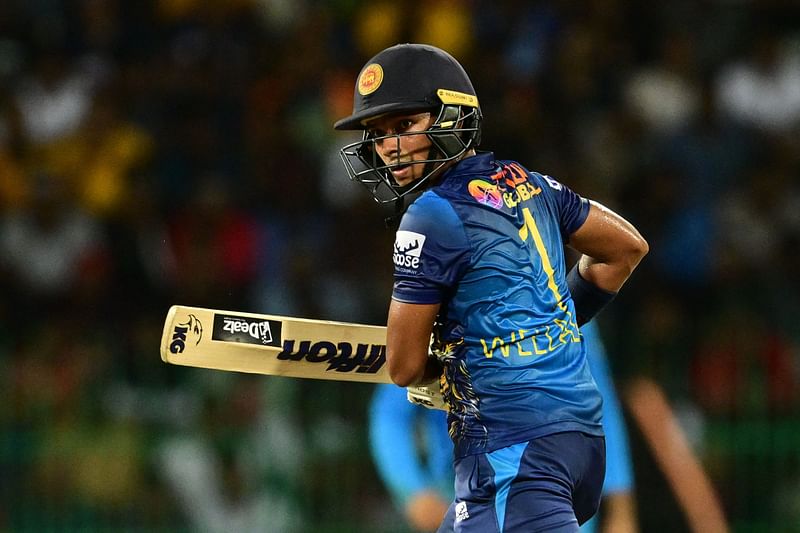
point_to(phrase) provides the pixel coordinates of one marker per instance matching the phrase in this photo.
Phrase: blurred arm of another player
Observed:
(611, 248)
(619, 513)
(417, 489)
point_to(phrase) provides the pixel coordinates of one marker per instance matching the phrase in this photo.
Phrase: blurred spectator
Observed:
(216, 246)
(664, 94)
(240, 470)
(762, 88)
(764, 209)
(444, 23)
(745, 366)
(54, 97)
(100, 157)
(379, 26)
(51, 247)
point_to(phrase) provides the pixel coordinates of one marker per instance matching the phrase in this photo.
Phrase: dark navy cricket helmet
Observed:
(410, 78)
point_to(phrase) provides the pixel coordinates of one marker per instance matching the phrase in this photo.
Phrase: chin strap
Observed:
(392, 222)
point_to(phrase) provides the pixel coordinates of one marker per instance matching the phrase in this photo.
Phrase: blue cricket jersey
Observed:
(487, 243)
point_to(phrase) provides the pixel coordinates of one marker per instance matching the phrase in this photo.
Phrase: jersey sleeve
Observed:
(571, 207)
(431, 251)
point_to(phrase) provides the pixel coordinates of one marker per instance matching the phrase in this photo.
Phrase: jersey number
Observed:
(529, 229)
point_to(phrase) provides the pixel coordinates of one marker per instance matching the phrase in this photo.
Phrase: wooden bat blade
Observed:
(274, 345)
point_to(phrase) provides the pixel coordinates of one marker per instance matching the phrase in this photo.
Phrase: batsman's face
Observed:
(402, 144)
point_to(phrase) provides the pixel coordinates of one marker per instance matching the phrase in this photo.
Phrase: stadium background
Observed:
(180, 151)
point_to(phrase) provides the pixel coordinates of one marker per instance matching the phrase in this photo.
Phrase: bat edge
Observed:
(166, 333)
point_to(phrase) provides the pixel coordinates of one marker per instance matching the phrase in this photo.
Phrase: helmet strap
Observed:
(392, 222)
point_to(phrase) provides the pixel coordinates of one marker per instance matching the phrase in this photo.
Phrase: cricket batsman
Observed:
(480, 268)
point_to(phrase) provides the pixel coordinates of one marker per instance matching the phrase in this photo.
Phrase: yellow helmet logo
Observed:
(370, 79)
(454, 97)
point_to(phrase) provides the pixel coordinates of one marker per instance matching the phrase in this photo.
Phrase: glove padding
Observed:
(430, 393)
(429, 396)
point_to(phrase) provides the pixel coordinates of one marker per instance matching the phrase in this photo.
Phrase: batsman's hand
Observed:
(429, 396)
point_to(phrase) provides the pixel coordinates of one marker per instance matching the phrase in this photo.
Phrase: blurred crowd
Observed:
(181, 151)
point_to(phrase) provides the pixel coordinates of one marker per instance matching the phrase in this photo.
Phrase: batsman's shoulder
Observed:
(430, 212)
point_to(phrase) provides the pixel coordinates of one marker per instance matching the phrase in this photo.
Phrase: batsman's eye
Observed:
(401, 125)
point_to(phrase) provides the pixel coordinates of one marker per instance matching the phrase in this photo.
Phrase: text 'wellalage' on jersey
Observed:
(524, 343)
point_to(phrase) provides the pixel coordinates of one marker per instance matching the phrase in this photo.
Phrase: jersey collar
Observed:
(479, 163)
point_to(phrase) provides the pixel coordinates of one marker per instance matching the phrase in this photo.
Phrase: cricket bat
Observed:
(274, 345)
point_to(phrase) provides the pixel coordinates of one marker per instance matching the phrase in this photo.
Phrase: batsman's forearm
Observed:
(415, 375)
(609, 276)
(408, 336)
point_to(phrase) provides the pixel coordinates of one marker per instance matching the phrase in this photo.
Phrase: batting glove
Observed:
(429, 396)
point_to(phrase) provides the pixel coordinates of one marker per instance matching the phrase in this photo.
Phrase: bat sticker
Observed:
(341, 357)
(181, 331)
(230, 328)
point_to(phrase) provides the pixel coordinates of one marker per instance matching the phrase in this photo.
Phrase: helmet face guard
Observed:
(455, 131)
